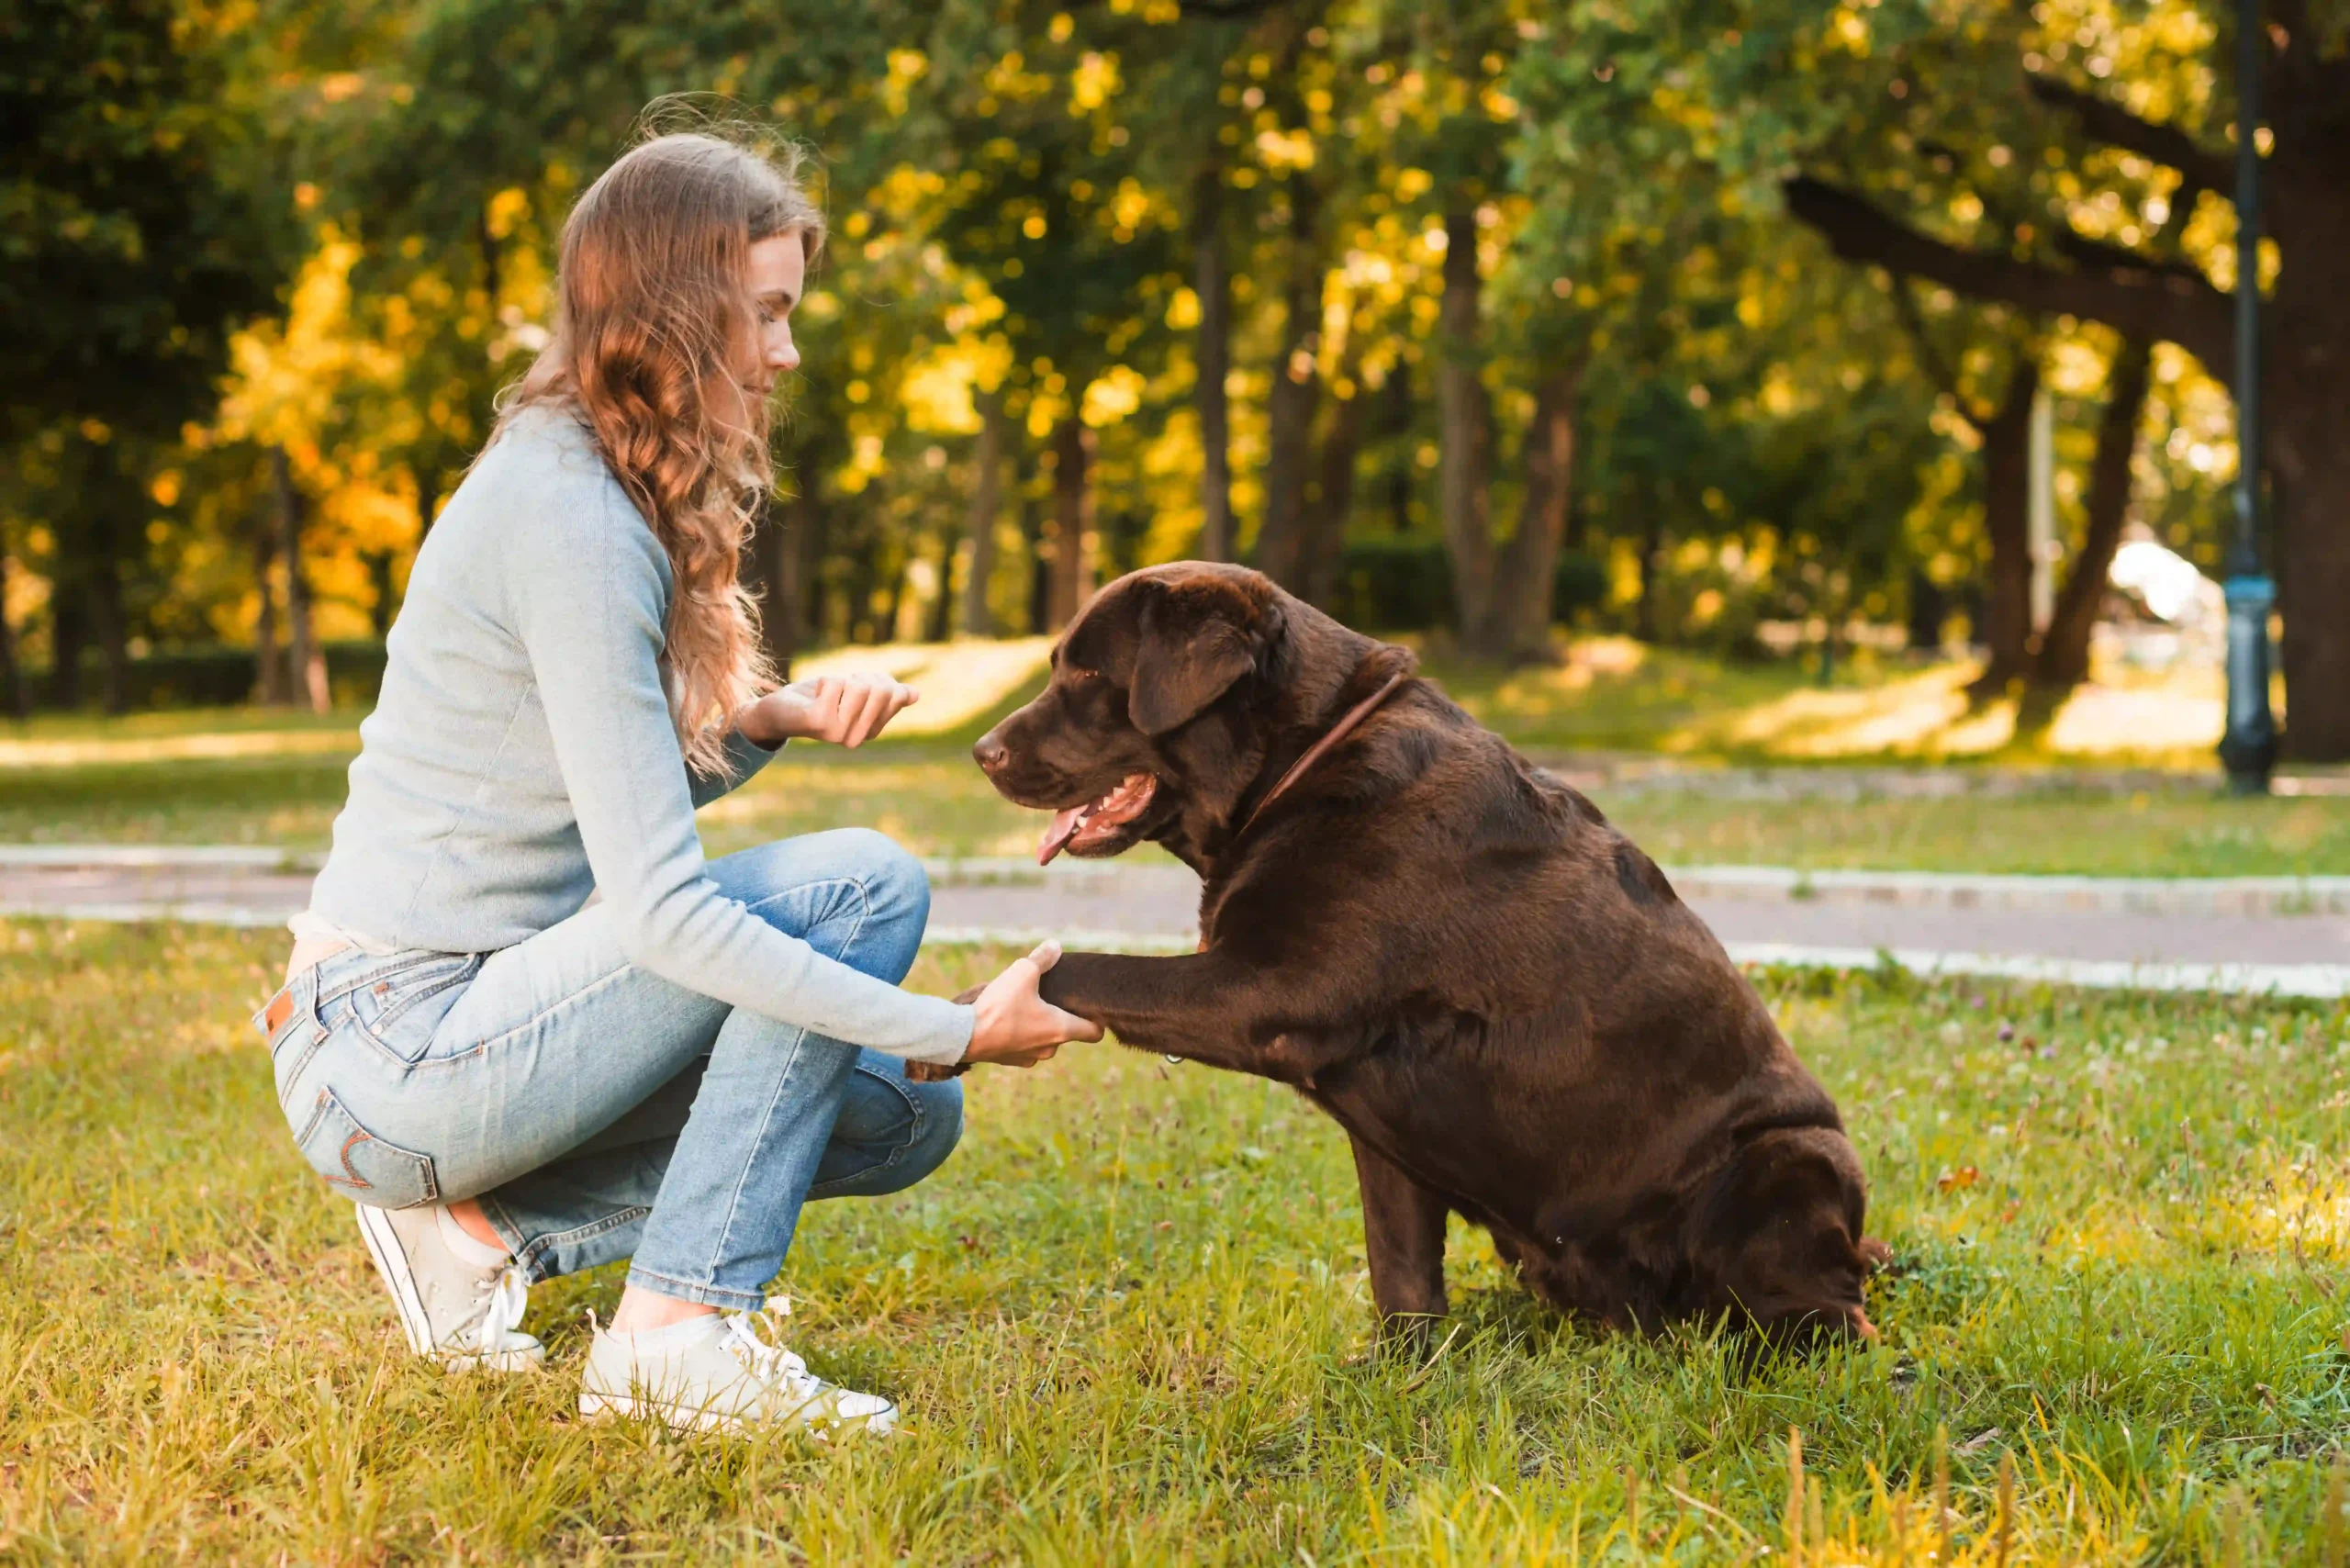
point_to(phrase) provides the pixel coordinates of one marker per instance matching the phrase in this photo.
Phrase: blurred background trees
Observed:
(1687, 319)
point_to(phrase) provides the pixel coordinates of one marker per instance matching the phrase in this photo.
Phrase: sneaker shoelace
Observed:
(770, 1363)
(498, 1314)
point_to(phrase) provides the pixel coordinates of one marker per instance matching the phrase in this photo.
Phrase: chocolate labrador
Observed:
(1451, 952)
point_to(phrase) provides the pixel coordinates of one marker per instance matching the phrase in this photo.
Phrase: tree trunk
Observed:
(987, 508)
(1289, 406)
(763, 574)
(1334, 499)
(2307, 398)
(1928, 606)
(379, 576)
(107, 619)
(269, 665)
(12, 676)
(1212, 280)
(1396, 422)
(1072, 541)
(1517, 629)
(942, 603)
(1467, 425)
(2063, 658)
(808, 533)
(1040, 567)
(2007, 501)
(1646, 623)
(69, 634)
(2311, 508)
(305, 661)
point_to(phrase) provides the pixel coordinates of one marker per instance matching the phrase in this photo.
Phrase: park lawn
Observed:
(269, 777)
(1128, 1323)
(927, 794)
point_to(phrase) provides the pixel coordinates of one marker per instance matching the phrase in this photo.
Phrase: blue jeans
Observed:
(599, 1111)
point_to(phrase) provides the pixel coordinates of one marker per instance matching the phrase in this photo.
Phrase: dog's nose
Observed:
(989, 753)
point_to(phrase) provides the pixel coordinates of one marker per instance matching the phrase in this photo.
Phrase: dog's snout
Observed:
(989, 753)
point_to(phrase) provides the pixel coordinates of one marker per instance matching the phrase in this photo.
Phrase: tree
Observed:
(2147, 296)
(134, 246)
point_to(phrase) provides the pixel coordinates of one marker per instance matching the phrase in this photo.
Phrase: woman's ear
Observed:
(1190, 654)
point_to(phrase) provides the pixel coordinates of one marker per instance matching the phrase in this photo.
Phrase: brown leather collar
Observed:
(1321, 748)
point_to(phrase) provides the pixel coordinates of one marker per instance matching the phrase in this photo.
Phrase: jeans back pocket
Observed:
(398, 1007)
(360, 1165)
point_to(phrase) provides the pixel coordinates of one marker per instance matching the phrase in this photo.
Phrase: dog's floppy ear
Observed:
(1190, 654)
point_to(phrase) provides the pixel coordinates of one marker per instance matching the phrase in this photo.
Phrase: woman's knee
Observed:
(924, 1124)
(897, 903)
(887, 910)
(896, 886)
(941, 1125)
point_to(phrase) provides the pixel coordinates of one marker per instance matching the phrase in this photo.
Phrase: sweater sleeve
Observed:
(588, 603)
(745, 757)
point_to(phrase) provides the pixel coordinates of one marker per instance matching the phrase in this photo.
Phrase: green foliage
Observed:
(1017, 195)
(132, 241)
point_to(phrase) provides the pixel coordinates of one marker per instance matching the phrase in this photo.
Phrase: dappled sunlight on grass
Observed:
(1910, 716)
(198, 746)
(936, 802)
(2172, 721)
(2298, 1209)
(2183, 714)
(959, 681)
(1607, 693)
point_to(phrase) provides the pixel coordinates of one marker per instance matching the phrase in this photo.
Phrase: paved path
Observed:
(2287, 935)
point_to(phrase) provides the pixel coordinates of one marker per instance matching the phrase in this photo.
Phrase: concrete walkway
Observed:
(2288, 936)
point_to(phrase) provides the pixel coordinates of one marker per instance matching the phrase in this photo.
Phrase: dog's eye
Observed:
(1076, 674)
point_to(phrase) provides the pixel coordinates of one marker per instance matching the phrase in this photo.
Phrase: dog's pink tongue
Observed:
(1059, 831)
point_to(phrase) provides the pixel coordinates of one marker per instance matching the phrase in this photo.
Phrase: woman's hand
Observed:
(1016, 1027)
(847, 710)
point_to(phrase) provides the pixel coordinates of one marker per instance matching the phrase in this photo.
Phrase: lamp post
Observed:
(2248, 749)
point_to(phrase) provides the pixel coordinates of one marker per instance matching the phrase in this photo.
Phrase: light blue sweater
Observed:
(522, 754)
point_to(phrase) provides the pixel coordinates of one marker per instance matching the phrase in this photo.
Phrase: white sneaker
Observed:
(715, 1373)
(459, 1311)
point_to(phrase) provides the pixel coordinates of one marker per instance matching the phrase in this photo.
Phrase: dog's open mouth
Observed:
(1082, 827)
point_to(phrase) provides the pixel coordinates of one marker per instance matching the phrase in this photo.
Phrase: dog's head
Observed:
(1168, 695)
(1783, 1232)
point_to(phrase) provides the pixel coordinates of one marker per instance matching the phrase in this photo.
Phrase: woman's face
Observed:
(778, 267)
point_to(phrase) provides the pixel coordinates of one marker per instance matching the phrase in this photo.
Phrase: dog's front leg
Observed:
(1403, 1233)
(1203, 1007)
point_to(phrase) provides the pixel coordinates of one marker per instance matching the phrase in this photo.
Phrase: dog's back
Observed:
(1564, 1049)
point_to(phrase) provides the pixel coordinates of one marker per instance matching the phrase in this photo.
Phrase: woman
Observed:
(513, 1086)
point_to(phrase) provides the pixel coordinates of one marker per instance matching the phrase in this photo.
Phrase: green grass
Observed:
(927, 794)
(1128, 1321)
(261, 776)
(2146, 834)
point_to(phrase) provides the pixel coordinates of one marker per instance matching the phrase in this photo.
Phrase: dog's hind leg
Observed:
(1403, 1226)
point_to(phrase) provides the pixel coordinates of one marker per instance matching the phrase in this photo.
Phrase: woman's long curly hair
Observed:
(653, 323)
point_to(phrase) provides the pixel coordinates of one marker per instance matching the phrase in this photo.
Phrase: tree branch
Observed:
(2135, 299)
(2120, 259)
(1939, 371)
(2108, 121)
(1231, 10)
